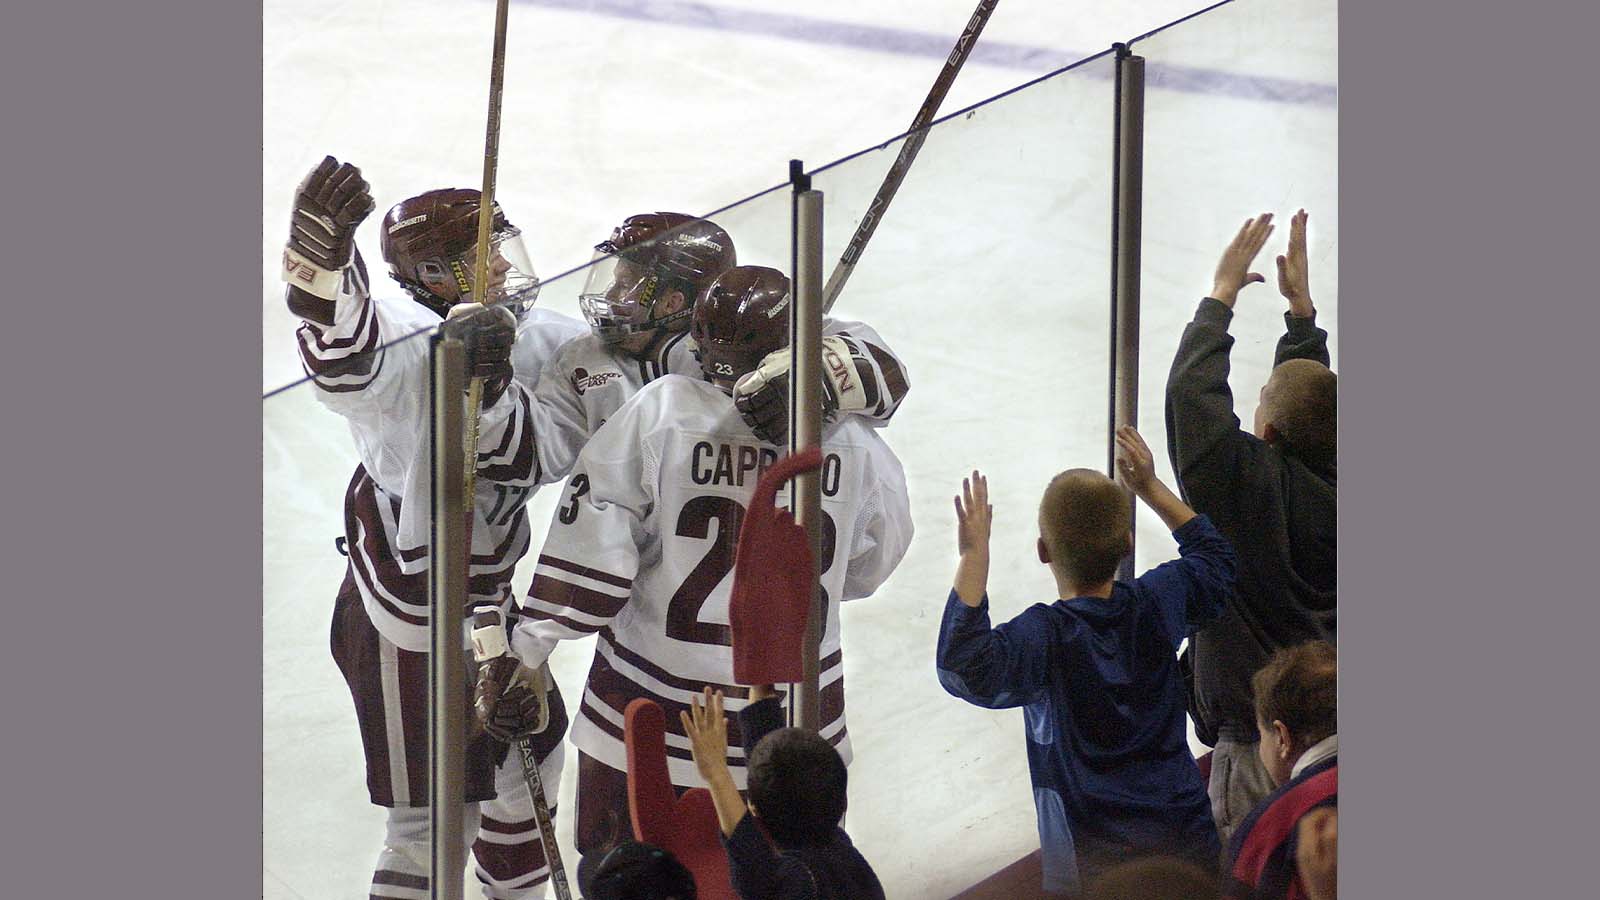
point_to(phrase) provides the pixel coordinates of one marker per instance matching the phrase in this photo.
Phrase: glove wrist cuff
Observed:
(489, 636)
(310, 277)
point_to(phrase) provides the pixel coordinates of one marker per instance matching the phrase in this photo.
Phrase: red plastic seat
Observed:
(684, 826)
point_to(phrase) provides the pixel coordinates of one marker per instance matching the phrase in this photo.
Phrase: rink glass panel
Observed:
(990, 276)
(1240, 119)
(319, 830)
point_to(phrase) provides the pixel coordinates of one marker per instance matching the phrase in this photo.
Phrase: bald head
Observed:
(1084, 521)
(1300, 406)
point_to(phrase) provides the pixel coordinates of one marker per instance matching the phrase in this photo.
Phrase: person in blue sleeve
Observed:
(1095, 672)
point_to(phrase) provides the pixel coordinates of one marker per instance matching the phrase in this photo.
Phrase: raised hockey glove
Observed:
(328, 205)
(510, 701)
(762, 396)
(488, 333)
(772, 577)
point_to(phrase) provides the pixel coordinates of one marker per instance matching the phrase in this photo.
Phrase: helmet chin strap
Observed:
(434, 303)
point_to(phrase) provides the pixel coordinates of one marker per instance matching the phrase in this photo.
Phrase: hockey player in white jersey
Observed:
(369, 364)
(642, 544)
(638, 298)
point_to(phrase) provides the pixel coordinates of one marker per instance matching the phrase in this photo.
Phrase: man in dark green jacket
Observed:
(1270, 492)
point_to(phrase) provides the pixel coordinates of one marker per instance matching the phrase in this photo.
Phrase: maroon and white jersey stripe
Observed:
(371, 367)
(641, 551)
(587, 381)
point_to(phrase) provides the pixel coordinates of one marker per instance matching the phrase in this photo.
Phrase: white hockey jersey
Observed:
(371, 367)
(641, 551)
(588, 381)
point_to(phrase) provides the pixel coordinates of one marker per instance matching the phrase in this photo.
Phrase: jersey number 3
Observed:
(683, 612)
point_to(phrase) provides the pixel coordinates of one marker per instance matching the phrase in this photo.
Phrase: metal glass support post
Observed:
(1127, 186)
(447, 583)
(805, 418)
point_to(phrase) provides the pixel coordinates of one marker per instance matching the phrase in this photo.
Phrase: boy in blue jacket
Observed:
(1096, 672)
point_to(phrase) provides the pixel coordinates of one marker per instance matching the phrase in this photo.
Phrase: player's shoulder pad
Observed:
(543, 333)
(673, 391)
(664, 404)
(569, 327)
(405, 316)
(585, 351)
(851, 431)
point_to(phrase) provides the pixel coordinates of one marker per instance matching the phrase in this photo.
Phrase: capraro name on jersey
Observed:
(736, 465)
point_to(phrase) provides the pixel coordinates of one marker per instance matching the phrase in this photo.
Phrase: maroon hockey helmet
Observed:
(646, 258)
(433, 238)
(738, 321)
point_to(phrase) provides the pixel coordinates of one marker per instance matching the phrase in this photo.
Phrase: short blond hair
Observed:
(1084, 520)
(1301, 403)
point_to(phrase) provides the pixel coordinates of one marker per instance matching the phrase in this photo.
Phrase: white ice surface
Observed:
(989, 276)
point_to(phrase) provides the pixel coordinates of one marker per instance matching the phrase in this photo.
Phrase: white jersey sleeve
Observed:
(881, 533)
(602, 526)
(371, 367)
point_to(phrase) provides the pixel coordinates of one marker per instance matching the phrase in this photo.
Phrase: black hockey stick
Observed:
(541, 813)
(908, 152)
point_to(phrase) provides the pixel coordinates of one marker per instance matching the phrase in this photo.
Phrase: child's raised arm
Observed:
(1136, 469)
(707, 729)
(973, 520)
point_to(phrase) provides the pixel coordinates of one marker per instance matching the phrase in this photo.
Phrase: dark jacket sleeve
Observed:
(757, 720)
(1203, 434)
(1207, 446)
(996, 668)
(1302, 339)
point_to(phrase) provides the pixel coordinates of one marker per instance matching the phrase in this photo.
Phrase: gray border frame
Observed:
(1465, 691)
(1468, 624)
(132, 657)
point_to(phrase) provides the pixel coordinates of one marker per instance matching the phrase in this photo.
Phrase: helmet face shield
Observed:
(512, 282)
(618, 296)
(648, 259)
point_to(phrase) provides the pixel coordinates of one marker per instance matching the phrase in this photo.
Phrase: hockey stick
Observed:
(480, 269)
(908, 153)
(541, 814)
(480, 278)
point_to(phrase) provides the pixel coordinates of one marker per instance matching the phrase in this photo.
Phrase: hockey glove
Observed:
(488, 333)
(510, 700)
(328, 205)
(762, 396)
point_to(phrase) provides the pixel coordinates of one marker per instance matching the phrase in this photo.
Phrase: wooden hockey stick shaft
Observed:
(480, 281)
(491, 152)
(908, 152)
(480, 273)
